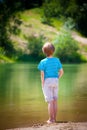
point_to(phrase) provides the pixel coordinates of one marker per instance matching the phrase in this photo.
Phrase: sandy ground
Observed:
(57, 126)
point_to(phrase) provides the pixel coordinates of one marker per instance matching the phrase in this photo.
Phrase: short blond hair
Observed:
(48, 48)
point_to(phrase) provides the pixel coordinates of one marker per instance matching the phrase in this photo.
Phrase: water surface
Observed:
(21, 98)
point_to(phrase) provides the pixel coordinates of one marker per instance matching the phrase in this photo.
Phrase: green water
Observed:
(21, 99)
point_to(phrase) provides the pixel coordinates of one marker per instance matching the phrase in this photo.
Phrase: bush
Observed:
(51, 9)
(2, 51)
(67, 48)
(69, 24)
(35, 44)
(46, 20)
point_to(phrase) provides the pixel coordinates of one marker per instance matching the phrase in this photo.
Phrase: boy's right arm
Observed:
(42, 78)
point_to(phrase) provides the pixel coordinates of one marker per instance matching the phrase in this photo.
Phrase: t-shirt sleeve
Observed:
(41, 66)
(59, 64)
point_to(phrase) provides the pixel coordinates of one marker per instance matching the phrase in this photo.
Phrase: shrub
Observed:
(69, 23)
(67, 48)
(34, 45)
(52, 8)
(2, 51)
(46, 20)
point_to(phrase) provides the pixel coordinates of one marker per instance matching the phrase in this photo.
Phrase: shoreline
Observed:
(56, 126)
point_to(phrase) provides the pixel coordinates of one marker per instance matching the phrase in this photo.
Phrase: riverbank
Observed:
(56, 126)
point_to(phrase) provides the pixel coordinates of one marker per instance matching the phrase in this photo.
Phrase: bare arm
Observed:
(61, 72)
(42, 78)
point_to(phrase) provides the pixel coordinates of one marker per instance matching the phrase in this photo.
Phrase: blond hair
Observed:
(48, 48)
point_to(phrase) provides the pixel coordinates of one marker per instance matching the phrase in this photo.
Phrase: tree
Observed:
(67, 48)
(7, 10)
(81, 18)
(76, 9)
(27, 4)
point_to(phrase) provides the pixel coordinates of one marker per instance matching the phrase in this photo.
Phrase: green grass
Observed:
(85, 48)
(57, 23)
(31, 24)
(34, 16)
(4, 59)
(28, 15)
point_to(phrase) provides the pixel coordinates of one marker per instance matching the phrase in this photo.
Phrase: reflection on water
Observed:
(73, 93)
(21, 98)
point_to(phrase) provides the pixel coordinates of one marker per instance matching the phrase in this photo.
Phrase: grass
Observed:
(57, 23)
(31, 14)
(32, 25)
(4, 59)
(84, 50)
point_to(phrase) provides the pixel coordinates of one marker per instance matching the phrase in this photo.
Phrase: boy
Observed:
(51, 70)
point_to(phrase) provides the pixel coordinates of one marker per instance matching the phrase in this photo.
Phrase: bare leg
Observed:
(55, 109)
(51, 110)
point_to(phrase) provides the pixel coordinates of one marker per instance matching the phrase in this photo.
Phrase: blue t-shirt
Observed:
(50, 66)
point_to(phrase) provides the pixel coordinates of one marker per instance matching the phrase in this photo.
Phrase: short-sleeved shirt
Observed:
(50, 66)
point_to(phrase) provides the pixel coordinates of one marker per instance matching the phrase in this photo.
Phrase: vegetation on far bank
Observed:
(27, 30)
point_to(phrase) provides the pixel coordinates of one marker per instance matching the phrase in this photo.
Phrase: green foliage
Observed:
(73, 12)
(14, 25)
(71, 9)
(7, 16)
(81, 19)
(67, 48)
(46, 20)
(75, 9)
(35, 44)
(4, 59)
(2, 51)
(69, 24)
(52, 9)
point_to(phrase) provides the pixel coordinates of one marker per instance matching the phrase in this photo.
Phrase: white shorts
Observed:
(50, 89)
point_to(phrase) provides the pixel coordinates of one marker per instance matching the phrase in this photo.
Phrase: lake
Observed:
(21, 99)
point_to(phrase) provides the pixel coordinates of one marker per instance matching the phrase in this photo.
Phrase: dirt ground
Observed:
(57, 126)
